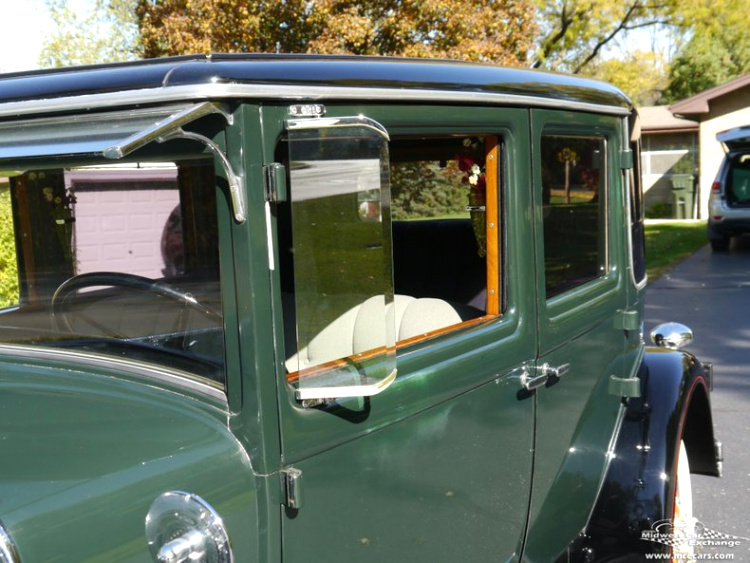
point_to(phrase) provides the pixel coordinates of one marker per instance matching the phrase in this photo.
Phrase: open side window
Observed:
(384, 244)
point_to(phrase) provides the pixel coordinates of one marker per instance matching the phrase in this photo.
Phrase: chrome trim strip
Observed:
(140, 369)
(308, 123)
(291, 93)
(236, 183)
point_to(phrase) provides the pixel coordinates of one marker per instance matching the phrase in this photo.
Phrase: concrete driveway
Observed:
(710, 293)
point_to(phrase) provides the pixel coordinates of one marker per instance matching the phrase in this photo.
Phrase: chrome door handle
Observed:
(534, 377)
(557, 372)
(531, 382)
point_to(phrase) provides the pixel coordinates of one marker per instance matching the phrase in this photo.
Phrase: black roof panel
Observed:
(306, 70)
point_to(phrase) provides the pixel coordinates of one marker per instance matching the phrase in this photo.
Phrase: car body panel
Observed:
(639, 490)
(60, 484)
(461, 457)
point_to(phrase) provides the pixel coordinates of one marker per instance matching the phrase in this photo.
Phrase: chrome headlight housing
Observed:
(182, 527)
(8, 553)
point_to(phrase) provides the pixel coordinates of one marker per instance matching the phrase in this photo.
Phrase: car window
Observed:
(118, 261)
(422, 255)
(574, 203)
(446, 225)
(738, 181)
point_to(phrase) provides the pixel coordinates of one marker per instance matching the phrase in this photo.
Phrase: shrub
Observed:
(8, 259)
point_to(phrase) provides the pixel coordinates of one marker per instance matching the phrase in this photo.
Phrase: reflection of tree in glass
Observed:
(427, 189)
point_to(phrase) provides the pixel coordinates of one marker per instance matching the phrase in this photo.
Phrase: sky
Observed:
(25, 23)
(24, 26)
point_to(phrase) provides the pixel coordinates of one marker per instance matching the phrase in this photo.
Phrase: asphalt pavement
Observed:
(710, 293)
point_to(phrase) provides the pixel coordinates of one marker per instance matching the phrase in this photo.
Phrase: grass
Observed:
(670, 242)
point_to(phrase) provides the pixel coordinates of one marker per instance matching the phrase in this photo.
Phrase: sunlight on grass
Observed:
(670, 242)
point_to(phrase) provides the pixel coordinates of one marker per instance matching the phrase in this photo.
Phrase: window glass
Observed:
(738, 181)
(574, 195)
(118, 261)
(637, 232)
(343, 305)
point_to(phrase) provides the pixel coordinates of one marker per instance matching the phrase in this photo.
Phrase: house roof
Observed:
(699, 104)
(658, 119)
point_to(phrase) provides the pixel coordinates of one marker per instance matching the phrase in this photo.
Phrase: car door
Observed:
(434, 464)
(582, 304)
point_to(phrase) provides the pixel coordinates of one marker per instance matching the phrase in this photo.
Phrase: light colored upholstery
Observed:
(425, 315)
(362, 328)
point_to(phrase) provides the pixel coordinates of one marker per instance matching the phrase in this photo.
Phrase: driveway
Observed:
(710, 293)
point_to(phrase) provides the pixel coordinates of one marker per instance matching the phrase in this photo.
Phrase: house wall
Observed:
(727, 112)
(663, 156)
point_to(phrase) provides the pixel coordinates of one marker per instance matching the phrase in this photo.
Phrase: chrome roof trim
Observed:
(291, 93)
(148, 371)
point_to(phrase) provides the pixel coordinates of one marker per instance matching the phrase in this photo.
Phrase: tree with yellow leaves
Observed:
(491, 31)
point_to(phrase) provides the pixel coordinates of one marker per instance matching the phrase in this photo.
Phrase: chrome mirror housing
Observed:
(671, 335)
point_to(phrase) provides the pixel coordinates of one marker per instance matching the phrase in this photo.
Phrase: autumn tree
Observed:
(491, 31)
(574, 33)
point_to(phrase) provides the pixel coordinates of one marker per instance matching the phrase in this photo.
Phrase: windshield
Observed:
(115, 260)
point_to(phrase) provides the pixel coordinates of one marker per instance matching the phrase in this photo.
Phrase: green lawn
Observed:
(670, 242)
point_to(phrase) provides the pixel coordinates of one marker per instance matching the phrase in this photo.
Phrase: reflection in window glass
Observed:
(573, 186)
(119, 261)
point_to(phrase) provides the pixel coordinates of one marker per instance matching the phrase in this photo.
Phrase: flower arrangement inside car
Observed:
(471, 161)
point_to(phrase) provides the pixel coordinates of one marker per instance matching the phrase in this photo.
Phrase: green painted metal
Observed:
(438, 466)
(85, 454)
(577, 418)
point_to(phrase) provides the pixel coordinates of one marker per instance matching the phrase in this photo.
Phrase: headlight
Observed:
(182, 527)
(8, 553)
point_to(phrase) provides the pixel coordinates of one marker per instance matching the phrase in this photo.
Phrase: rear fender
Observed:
(638, 490)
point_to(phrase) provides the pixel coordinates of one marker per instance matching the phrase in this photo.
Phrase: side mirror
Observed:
(672, 336)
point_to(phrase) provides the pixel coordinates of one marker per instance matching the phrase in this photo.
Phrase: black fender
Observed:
(638, 489)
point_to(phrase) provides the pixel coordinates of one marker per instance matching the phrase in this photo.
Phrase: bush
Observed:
(8, 259)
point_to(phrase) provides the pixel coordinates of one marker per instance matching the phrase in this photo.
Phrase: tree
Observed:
(642, 75)
(106, 33)
(575, 32)
(717, 51)
(491, 31)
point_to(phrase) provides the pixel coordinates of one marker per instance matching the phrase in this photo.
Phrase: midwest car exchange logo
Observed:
(690, 541)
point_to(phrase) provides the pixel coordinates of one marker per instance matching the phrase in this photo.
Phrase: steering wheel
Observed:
(61, 298)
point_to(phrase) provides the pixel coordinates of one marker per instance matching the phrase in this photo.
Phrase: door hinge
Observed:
(629, 387)
(626, 159)
(627, 320)
(292, 488)
(274, 179)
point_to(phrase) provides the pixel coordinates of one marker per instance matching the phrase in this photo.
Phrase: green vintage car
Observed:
(294, 308)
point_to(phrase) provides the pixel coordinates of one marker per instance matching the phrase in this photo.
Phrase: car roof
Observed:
(734, 140)
(300, 77)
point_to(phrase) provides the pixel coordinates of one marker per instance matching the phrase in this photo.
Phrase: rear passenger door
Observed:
(579, 220)
(435, 466)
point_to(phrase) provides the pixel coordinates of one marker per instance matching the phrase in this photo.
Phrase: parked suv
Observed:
(729, 205)
(286, 309)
